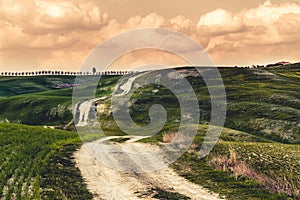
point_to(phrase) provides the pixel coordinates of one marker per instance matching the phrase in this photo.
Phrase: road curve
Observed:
(107, 183)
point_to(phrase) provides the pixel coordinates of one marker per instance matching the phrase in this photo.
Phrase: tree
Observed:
(94, 70)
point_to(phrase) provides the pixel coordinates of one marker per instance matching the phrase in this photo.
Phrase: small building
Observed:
(279, 64)
(283, 63)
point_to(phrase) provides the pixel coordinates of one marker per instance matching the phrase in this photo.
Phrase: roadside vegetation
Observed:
(244, 166)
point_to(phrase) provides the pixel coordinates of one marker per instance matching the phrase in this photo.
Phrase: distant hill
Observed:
(12, 86)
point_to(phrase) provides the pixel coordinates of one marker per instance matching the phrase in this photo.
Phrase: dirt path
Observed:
(108, 183)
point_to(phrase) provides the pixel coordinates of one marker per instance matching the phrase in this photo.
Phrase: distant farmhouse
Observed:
(279, 64)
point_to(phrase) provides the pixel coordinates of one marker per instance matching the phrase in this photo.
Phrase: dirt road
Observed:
(105, 182)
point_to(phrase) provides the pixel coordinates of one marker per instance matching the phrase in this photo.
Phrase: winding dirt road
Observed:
(107, 183)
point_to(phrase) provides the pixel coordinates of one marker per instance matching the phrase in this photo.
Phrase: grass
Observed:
(119, 140)
(37, 163)
(60, 178)
(264, 105)
(12, 86)
(36, 110)
(276, 166)
(220, 181)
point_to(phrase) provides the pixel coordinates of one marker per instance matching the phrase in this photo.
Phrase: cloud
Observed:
(42, 24)
(288, 24)
(64, 17)
(151, 20)
(220, 21)
(15, 12)
(267, 29)
(180, 22)
(267, 13)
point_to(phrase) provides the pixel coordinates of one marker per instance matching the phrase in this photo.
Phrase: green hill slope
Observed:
(11, 86)
(257, 156)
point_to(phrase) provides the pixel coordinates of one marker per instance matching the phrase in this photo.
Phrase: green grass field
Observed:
(12, 86)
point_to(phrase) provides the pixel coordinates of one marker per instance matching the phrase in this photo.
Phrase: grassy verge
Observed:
(221, 182)
(60, 178)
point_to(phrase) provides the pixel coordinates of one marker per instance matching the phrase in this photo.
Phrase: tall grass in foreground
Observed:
(37, 163)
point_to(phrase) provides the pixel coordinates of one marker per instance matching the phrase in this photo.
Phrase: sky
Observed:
(60, 35)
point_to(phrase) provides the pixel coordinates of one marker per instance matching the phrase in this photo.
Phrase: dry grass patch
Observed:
(175, 137)
(240, 168)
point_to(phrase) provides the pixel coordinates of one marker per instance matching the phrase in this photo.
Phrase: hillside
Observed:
(12, 86)
(261, 101)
